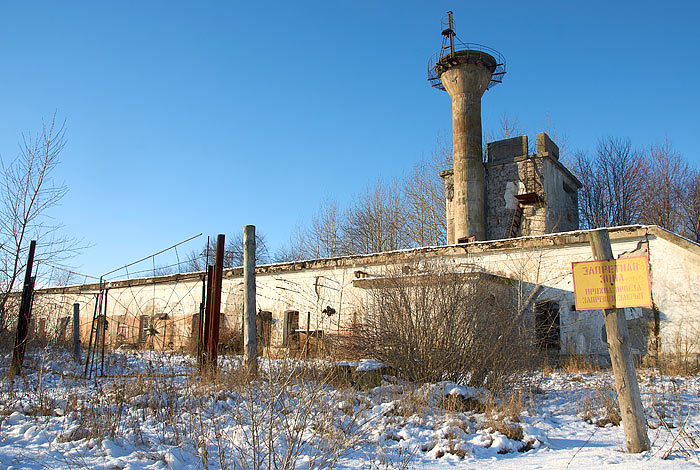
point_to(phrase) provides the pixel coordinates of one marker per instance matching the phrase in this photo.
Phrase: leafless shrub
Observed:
(685, 440)
(288, 417)
(431, 323)
(28, 193)
(394, 459)
(231, 341)
(671, 412)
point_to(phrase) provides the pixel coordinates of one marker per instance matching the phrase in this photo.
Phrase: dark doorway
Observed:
(547, 326)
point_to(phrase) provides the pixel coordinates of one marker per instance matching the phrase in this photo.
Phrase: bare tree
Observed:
(424, 199)
(325, 238)
(28, 192)
(508, 127)
(376, 221)
(690, 208)
(560, 138)
(665, 188)
(612, 184)
(233, 253)
(294, 250)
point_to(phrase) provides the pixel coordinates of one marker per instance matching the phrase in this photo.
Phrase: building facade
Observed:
(324, 298)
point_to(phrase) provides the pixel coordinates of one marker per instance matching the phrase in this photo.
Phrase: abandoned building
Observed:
(513, 216)
(325, 297)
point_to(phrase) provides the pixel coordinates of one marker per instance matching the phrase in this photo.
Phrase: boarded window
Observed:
(547, 325)
(264, 328)
(143, 326)
(291, 329)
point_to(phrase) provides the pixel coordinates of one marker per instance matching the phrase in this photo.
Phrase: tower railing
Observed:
(445, 52)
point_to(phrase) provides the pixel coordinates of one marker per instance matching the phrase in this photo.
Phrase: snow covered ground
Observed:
(153, 411)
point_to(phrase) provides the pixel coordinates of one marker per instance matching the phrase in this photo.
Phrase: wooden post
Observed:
(626, 384)
(76, 332)
(25, 311)
(250, 339)
(308, 334)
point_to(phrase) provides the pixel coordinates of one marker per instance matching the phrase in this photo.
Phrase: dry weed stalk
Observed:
(684, 442)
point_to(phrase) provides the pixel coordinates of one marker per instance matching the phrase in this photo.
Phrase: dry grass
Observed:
(286, 416)
(503, 416)
(678, 366)
(577, 364)
(600, 407)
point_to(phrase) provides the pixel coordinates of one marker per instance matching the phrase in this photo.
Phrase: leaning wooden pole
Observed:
(250, 339)
(626, 384)
(25, 309)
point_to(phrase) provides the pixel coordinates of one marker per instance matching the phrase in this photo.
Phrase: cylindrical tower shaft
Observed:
(466, 77)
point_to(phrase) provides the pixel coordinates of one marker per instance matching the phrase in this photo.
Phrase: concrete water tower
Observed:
(465, 71)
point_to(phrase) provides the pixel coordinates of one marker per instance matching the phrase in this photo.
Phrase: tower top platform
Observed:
(467, 53)
(454, 52)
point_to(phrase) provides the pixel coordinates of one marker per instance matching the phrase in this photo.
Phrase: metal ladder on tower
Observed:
(531, 196)
(516, 222)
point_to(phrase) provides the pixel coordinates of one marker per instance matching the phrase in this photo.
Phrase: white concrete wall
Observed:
(311, 286)
(675, 273)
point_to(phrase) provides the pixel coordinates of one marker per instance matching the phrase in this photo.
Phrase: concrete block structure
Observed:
(524, 194)
(528, 194)
(326, 297)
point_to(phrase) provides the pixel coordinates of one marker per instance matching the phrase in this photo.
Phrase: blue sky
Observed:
(188, 117)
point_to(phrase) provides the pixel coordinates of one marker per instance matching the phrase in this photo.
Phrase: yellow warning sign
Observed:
(615, 283)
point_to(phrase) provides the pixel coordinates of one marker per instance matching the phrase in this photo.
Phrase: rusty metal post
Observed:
(25, 309)
(201, 332)
(213, 343)
(205, 321)
(250, 339)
